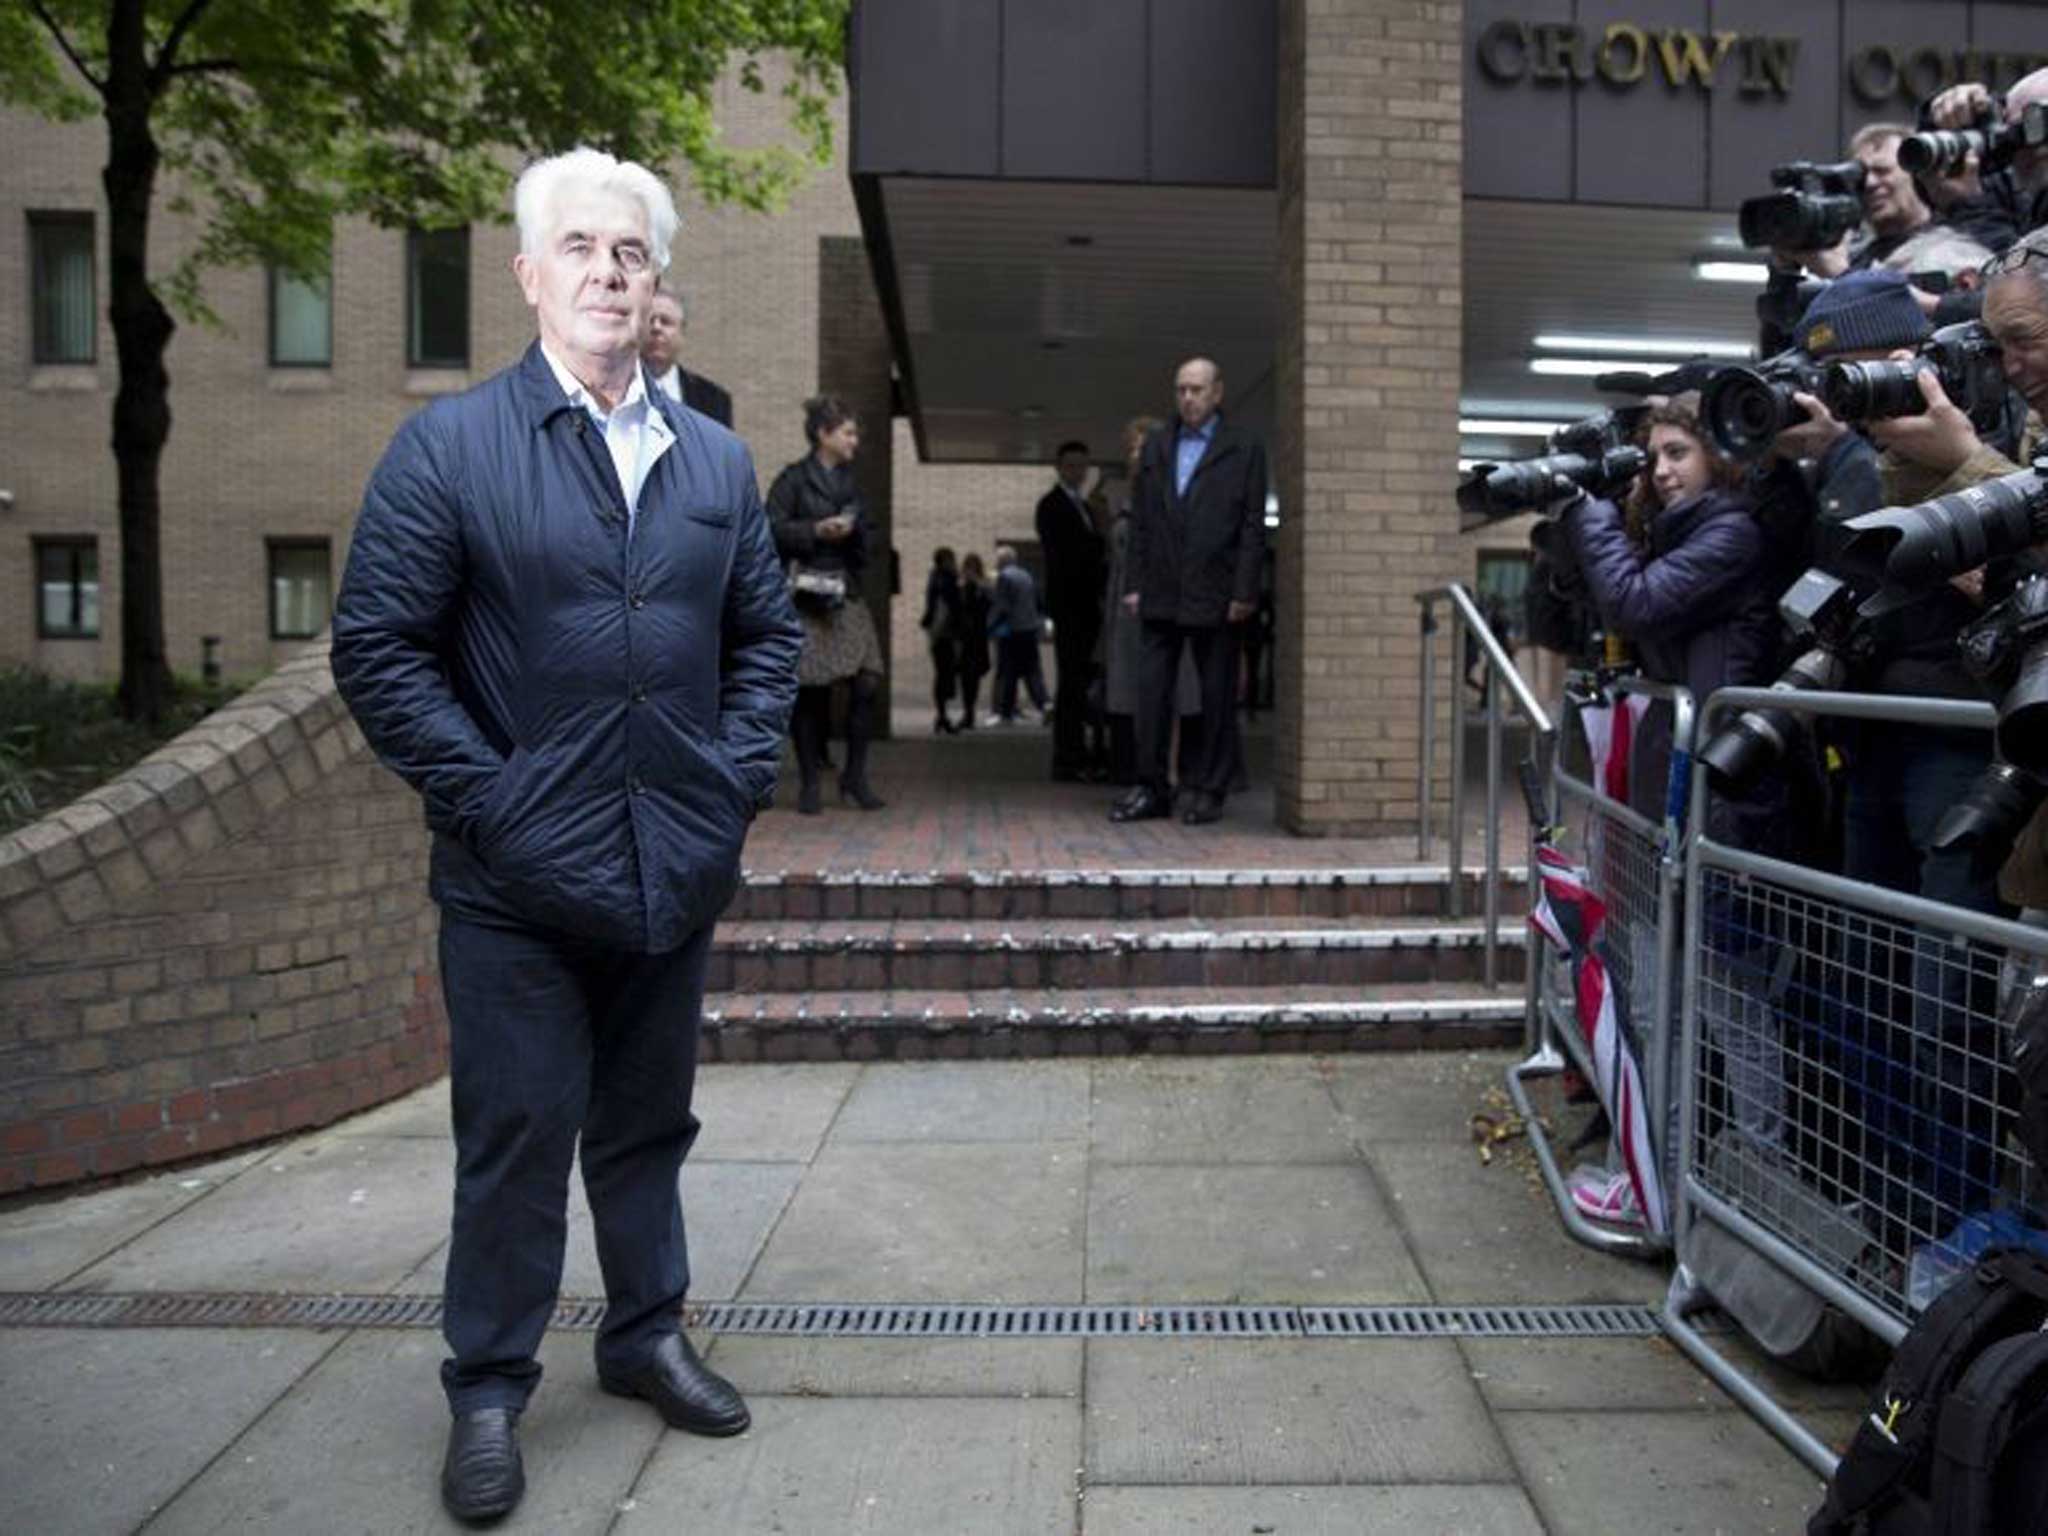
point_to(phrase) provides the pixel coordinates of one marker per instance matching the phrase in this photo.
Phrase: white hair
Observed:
(533, 199)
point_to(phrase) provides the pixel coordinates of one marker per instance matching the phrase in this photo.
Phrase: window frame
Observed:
(54, 218)
(414, 235)
(76, 543)
(276, 544)
(271, 276)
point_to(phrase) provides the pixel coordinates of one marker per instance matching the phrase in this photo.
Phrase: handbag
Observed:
(815, 590)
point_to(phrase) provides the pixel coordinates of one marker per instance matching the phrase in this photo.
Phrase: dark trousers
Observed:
(1017, 661)
(1073, 646)
(1902, 780)
(970, 685)
(810, 726)
(551, 1038)
(945, 674)
(1214, 647)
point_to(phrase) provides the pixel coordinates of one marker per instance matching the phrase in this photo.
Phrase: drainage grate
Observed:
(852, 1321)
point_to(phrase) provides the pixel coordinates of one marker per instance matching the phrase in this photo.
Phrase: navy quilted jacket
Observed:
(591, 721)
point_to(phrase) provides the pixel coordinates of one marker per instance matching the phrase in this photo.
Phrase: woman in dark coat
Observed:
(974, 601)
(815, 514)
(941, 626)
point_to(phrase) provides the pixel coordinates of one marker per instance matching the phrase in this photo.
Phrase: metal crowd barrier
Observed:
(1635, 865)
(1844, 1094)
(1500, 672)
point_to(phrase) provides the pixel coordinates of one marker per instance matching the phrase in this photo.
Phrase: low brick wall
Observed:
(229, 941)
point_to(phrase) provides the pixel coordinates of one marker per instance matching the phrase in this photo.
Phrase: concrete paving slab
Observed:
(1224, 1110)
(422, 1113)
(1483, 1234)
(931, 1223)
(872, 1467)
(901, 1367)
(1319, 1233)
(1173, 1411)
(335, 1213)
(42, 1245)
(357, 1446)
(1417, 1510)
(768, 1113)
(969, 1101)
(1677, 1473)
(103, 1428)
(1611, 1374)
(1425, 1096)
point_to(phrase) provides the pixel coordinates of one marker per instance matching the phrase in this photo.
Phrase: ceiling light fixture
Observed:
(1731, 271)
(1587, 367)
(1485, 426)
(1647, 346)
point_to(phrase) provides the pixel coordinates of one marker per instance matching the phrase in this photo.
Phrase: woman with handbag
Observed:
(820, 530)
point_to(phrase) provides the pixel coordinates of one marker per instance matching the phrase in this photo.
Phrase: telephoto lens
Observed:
(1919, 547)
(1824, 609)
(1987, 819)
(1965, 358)
(1940, 153)
(1875, 391)
(1744, 409)
(1526, 485)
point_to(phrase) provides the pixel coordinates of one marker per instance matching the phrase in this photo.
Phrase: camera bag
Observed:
(1959, 1423)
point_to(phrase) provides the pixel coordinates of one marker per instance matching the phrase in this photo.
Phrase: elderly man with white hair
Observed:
(563, 622)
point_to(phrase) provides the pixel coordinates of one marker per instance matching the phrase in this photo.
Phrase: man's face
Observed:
(1889, 201)
(2016, 314)
(592, 281)
(1197, 392)
(1073, 469)
(664, 332)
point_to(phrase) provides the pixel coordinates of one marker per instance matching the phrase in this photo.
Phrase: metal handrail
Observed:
(1466, 617)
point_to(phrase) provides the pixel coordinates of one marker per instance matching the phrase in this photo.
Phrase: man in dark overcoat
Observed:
(564, 624)
(1076, 565)
(1198, 535)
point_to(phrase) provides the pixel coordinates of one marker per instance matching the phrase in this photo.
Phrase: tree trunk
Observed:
(142, 334)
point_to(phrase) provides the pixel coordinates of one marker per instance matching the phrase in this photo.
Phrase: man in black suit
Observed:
(658, 348)
(1076, 566)
(1198, 535)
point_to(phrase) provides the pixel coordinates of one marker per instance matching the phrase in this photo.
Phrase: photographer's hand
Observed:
(1940, 440)
(1960, 105)
(1811, 438)
(1830, 262)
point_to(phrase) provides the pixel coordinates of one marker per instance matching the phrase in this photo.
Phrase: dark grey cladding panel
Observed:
(1518, 141)
(1074, 90)
(1755, 129)
(1641, 143)
(927, 91)
(1902, 25)
(1214, 79)
(2011, 26)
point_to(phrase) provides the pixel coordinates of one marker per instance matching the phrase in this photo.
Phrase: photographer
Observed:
(1687, 574)
(1903, 233)
(1998, 206)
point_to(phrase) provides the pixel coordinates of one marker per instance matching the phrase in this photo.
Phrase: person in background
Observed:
(658, 349)
(941, 626)
(820, 528)
(1014, 622)
(974, 622)
(1076, 561)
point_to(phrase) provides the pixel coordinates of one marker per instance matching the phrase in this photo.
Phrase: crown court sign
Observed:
(1678, 104)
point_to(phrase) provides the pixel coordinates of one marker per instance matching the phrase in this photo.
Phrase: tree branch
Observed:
(50, 23)
(160, 71)
(253, 67)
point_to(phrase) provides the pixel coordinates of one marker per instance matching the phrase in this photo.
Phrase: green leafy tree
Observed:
(265, 120)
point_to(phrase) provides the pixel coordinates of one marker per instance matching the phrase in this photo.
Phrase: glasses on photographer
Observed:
(2013, 257)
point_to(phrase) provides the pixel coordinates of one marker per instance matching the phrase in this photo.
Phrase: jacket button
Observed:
(638, 600)
(639, 695)
(634, 786)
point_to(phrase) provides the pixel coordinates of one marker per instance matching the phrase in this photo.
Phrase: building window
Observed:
(68, 589)
(437, 298)
(301, 321)
(66, 320)
(299, 588)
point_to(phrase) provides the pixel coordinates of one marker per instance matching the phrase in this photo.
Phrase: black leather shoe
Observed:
(1202, 809)
(482, 1477)
(688, 1392)
(1140, 805)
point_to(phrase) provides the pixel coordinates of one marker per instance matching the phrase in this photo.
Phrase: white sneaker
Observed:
(1608, 1197)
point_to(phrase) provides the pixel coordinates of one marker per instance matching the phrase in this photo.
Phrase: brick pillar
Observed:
(854, 361)
(1367, 378)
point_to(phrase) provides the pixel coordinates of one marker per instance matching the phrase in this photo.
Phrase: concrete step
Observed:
(1078, 953)
(793, 895)
(868, 1025)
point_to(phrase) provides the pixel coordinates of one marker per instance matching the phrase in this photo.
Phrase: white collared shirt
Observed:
(671, 383)
(635, 432)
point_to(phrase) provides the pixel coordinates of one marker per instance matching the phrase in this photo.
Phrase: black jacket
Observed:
(700, 394)
(1076, 560)
(941, 618)
(804, 495)
(1191, 557)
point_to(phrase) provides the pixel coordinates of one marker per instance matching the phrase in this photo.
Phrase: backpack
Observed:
(1956, 1442)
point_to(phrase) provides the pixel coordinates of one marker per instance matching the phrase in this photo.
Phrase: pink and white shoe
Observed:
(1608, 1197)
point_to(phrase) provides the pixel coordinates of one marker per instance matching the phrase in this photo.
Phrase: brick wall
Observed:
(229, 941)
(1367, 370)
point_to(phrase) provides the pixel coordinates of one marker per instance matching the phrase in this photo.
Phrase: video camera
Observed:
(1744, 408)
(1944, 152)
(1965, 358)
(1598, 455)
(1814, 206)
